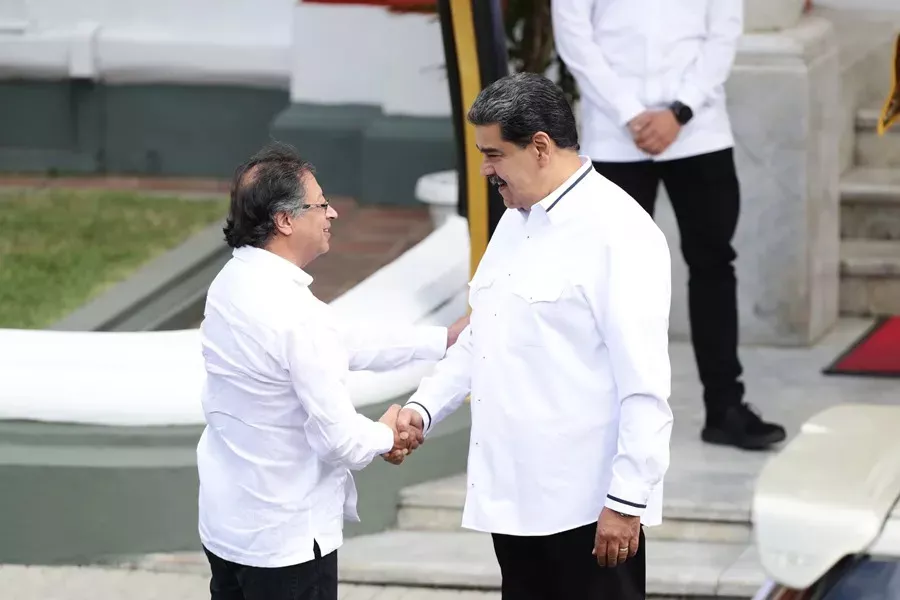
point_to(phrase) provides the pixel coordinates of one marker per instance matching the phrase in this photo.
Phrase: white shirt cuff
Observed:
(425, 414)
(431, 342)
(628, 108)
(626, 499)
(692, 97)
(384, 442)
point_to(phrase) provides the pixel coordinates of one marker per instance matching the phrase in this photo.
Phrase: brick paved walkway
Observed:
(90, 583)
(364, 238)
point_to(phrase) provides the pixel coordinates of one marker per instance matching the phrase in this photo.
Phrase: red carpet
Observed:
(876, 353)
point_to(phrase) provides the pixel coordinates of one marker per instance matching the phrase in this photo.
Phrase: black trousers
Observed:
(313, 580)
(561, 566)
(706, 198)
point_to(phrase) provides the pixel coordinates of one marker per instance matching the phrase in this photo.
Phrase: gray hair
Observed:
(524, 104)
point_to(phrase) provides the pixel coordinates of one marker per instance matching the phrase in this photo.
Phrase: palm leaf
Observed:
(890, 114)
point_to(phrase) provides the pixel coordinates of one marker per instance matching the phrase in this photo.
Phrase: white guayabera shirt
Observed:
(629, 56)
(282, 434)
(566, 357)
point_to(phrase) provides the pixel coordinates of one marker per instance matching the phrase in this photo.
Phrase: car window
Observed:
(868, 580)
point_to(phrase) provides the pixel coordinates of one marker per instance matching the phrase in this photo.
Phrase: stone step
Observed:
(706, 507)
(870, 203)
(465, 560)
(870, 277)
(873, 150)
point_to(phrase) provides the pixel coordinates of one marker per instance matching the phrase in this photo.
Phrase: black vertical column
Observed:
(475, 52)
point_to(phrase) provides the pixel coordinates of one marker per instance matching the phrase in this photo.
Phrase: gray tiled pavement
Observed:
(88, 583)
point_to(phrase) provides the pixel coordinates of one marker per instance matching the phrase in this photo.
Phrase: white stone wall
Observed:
(367, 55)
(785, 108)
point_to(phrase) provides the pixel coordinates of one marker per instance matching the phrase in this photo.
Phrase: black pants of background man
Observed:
(562, 567)
(313, 580)
(705, 198)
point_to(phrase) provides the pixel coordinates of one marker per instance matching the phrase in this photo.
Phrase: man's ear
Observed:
(542, 144)
(284, 224)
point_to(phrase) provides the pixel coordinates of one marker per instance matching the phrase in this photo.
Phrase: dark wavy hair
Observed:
(523, 104)
(267, 184)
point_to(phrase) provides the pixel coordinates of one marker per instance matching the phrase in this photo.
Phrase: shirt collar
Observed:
(549, 201)
(264, 259)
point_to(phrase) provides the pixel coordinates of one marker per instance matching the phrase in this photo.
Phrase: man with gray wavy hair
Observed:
(282, 435)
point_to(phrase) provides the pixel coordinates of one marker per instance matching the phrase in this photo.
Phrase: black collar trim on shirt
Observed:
(569, 189)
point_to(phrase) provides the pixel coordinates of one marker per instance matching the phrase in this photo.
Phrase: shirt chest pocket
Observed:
(516, 311)
(534, 305)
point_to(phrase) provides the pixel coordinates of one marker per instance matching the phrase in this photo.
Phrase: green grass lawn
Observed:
(61, 248)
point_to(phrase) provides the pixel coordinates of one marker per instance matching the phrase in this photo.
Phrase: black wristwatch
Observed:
(682, 112)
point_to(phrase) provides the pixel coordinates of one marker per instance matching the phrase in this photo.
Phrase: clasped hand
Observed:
(654, 130)
(408, 428)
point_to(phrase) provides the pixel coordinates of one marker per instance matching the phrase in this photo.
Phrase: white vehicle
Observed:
(825, 512)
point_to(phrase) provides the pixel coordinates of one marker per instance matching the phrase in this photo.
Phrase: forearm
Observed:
(635, 326)
(313, 356)
(642, 457)
(574, 41)
(386, 348)
(353, 444)
(714, 62)
(443, 391)
(434, 409)
(639, 353)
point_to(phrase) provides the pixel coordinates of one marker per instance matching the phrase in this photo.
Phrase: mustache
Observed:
(494, 180)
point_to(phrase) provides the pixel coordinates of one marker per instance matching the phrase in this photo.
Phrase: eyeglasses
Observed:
(324, 205)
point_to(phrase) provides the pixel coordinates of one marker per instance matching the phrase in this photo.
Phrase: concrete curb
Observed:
(167, 293)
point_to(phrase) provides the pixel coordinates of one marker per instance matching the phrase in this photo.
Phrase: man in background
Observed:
(282, 435)
(651, 75)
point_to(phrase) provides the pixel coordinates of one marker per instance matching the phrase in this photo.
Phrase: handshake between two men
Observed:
(409, 432)
(407, 424)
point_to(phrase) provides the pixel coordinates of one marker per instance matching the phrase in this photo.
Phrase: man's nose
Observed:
(331, 213)
(486, 169)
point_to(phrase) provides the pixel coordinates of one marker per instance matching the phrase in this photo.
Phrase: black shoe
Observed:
(742, 427)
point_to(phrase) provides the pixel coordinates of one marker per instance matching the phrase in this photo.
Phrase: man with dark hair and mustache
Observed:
(565, 357)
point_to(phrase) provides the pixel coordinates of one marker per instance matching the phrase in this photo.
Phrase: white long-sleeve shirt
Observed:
(282, 434)
(566, 358)
(628, 56)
